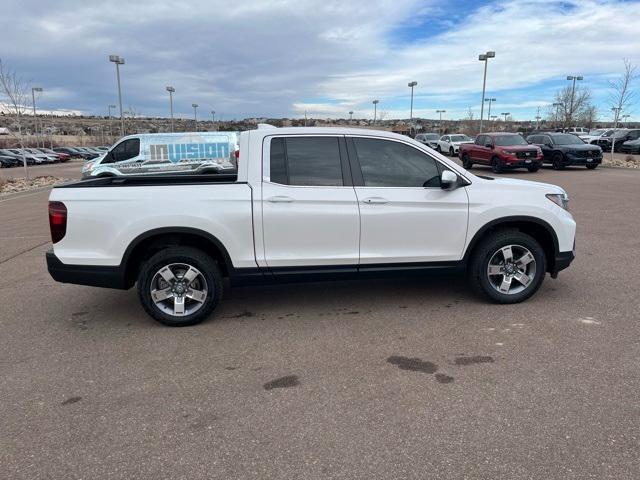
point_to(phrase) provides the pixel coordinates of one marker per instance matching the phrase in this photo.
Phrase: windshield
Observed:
(621, 133)
(567, 140)
(460, 138)
(506, 140)
(599, 131)
(431, 136)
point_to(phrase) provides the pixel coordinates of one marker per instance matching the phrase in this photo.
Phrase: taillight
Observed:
(57, 221)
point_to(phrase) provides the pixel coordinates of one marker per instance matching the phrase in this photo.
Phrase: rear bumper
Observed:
(91, 275)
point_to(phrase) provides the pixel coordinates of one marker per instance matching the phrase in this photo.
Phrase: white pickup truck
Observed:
(320, 203)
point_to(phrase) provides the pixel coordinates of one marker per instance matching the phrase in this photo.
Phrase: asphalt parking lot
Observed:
(350, 380)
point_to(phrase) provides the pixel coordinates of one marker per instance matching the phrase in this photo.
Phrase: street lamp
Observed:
(493, 117)
(350, 116)
(557, 105)
(411, 85)
(119, 61)
(490, 100)
(35, 120)
(195, 114)
(506, 114)
(573, 92)
(625, 116)
(484, 57)
(440, 112)
(171, 91)
(375, 110)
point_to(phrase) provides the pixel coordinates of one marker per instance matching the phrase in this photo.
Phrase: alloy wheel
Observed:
(179, 289)
(511, 269)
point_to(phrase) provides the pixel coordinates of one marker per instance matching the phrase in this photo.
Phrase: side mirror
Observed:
(448, 180)
(488, 145)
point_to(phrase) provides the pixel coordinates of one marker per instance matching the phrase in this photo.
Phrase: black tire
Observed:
(496, 165)
(181, 255)
(466, 161)
(593, 166)
(533, 168)
(438, 148)
(556, 162)
(451, 152)
(483, 253)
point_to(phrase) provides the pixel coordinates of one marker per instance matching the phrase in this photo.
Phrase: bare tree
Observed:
(622, 95)
(470, 123)
(13, 91)
(571, 105)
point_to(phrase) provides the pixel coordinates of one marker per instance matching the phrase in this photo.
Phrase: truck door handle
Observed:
(280, 199)
(375, 200)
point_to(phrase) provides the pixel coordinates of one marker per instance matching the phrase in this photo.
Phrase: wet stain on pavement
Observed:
(463, 361)
(282, 382)
(230, 368)
(413, 364)
(79, 314)
(244, 314)
(71, 400)
(442, 378)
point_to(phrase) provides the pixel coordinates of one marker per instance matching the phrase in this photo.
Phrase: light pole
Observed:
(538, 117)
(109, 107)
(35, 120)
(557, 105)
(351, 116)
(119, 61)
(440, 112)
(625, 116)
(490, 100)
(573, 92)
(171, 91)
(506, 114)
(375, 110)
(411, 85)
(493, 117)
(195, 114)
(484, 57)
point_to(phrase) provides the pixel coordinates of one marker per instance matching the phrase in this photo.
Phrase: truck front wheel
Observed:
(508, 266)
(180, 286)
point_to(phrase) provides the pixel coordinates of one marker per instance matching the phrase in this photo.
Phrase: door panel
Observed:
(412, 224)
(309, 216)
(405, 216)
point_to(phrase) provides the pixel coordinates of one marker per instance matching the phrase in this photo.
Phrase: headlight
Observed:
(560, 199)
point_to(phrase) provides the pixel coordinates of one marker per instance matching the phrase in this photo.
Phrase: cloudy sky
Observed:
(280, 58)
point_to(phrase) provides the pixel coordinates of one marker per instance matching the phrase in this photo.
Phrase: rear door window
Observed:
(306, 161)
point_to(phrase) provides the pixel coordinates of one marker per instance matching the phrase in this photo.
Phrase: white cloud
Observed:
(281, 57)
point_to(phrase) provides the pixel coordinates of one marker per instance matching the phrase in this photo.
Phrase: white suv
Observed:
(451, 143)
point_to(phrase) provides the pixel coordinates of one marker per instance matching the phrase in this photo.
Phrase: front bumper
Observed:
(562, 261)
(90, 275)
(574, 160)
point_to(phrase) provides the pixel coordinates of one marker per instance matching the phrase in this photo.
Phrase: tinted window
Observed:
(480, 140)
(124, 151)
(307, 161)
(533, 139)
(567, 139)
(277, 163)
(392, 164)
(507, 140)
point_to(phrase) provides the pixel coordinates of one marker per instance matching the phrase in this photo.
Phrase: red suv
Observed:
(501, 151)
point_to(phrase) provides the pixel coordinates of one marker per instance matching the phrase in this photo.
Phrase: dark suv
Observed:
(621, 135)
(564, 149)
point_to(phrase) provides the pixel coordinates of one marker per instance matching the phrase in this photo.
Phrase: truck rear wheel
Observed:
(180, 286)
(508, 266)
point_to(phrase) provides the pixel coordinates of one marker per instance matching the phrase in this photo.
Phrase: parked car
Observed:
(451, 143)
(577, 130)
(618, 138)
(276, 220)
(564, 149)
(501, 151)
(595, 134)
(5, 152)
(47, 158)
(30, 158)
(62, 157)
(7, 161)
(429, 139)
(73, 152)
(145, 154)
(87, 153)
(631, 146)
